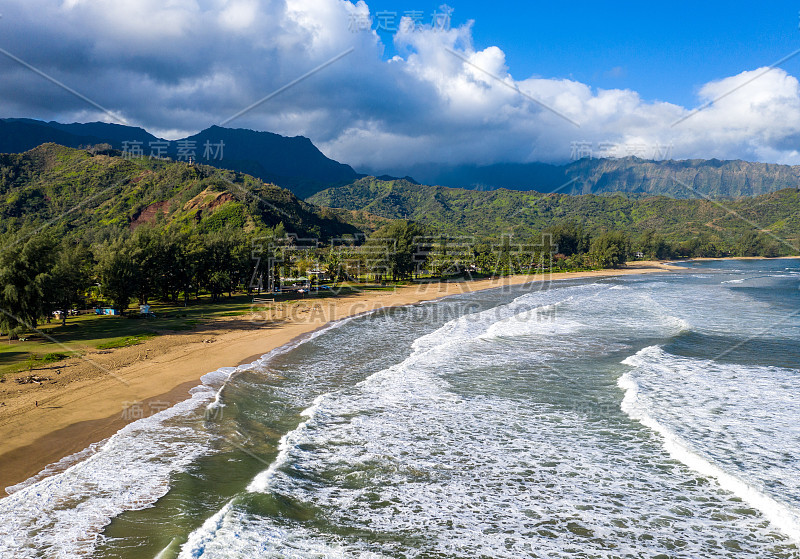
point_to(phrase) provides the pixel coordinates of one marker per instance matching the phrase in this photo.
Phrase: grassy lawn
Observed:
(88, 332)
(91, 331)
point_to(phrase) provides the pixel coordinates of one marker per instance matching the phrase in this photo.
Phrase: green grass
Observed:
(83, 333)
(53, 357)
(90, 332)
(126, 341)
(34, 360)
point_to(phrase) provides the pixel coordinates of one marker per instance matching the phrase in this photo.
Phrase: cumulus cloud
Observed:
(178, 66)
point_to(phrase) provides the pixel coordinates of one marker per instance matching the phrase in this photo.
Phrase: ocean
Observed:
(637, 416)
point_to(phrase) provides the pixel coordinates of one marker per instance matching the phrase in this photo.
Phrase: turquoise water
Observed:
(638, 416)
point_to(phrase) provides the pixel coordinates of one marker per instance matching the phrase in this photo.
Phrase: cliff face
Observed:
(696, 178)
(681, 179)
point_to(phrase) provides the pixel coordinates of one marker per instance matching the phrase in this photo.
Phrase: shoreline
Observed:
(93, 397)
(709, 258)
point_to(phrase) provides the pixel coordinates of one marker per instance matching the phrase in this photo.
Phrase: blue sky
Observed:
(508, 82)
(663, 50)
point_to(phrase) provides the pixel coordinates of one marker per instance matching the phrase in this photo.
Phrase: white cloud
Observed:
(182, 65)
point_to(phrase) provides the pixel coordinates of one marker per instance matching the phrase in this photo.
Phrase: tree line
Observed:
(41, 274)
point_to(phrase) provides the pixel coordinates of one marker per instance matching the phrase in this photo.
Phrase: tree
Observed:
(444, 258)
(24, 274)
(334, 264)
(148, 256)
(400, 246)
(68, 279)
(702, 245)
(484, 258)
(217, 283)
(241, 260)
(118, 273)
(180, 274)
(215, 263)
(753, 244)
(569, 237)
(653, 245)
(610, 250)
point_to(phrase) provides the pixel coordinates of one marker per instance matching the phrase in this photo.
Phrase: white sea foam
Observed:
(261, 482)
(472, 477)
(62, 515)
(452, 332)
(200, 538)
(668, 375)
(61, 511)
(230, 373)
(500, 473)
(470, 448)
(58, 467)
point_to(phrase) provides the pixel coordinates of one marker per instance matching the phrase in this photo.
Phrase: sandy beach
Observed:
(88, 399)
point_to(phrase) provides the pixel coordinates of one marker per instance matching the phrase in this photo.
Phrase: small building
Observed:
(107, 311)
(318, 275)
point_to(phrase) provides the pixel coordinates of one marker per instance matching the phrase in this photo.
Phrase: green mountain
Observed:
(293, 163)
(296, 164)
(95, 194)
(85, 192)
(469, 212)
(696, 178)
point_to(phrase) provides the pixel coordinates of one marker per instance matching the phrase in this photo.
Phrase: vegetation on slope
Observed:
(293, 163)
(774, 218)
(96, 194)
(84, 227)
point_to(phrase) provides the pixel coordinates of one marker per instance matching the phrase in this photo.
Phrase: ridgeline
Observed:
(454, 211)
(90, 193)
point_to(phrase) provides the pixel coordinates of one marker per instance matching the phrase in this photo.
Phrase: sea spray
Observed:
(66, 511)
(642, 407)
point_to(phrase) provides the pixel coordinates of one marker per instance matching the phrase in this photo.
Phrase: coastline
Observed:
(95, 396)
(708, 258)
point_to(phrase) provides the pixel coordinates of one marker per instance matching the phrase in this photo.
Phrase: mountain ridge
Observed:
(94, 194)
(688, 178)
(296, 164)
(454, 211)
(290, 162)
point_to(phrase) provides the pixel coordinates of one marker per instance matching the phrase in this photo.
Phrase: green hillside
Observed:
(292, 163)
(84, 192)
(494, 213)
